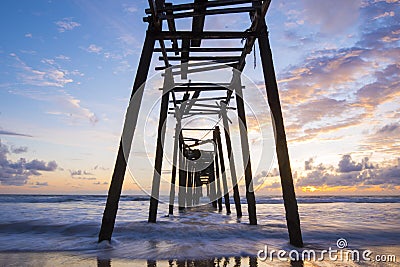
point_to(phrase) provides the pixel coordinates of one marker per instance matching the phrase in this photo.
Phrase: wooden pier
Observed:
(184, 100)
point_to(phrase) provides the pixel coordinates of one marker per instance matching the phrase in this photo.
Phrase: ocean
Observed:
(59, 230)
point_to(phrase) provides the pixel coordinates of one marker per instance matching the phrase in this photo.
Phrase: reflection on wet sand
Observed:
(216, 262)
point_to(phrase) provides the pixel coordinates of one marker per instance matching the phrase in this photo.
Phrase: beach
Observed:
(56, 230)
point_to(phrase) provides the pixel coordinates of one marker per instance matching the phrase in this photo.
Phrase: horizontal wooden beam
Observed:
(194, 14)
(167, 35)
(204, 58)
(204, 49)
(191, 6)
(215, 67)
(190, 89)
(203, 99)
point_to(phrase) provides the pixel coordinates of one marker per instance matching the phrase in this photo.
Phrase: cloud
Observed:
(130, 8)
(53, 76)
(334, 17)
(28, 35)
(94, 49)
(332, 89)
(82, 175)
(385, 139)
(66, 24)
(41, 184)
(18, 172)
(4, 132)
(73, 109)
(79, 172)
(350, 173)
(65, 105)
(19, 150)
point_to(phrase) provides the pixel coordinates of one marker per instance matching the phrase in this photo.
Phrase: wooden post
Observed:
(219, 193)
(212, 185)
(250, 196)
(174, 163)
(289, 196)
(114, 192)
(223, 172)
(182, 181)
(155, 189)
(232, 166)
(189, 189)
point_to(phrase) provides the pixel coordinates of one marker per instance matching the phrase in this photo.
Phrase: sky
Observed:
(67, 69)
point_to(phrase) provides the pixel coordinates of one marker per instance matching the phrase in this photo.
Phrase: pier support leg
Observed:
(250, 196)
(189, 192)
(213, 185)
(223, 172)
(217, 177)
(236, 195)
(182, 181)
(155, 189)
(289, 196)
(174, 164)
(114, 192)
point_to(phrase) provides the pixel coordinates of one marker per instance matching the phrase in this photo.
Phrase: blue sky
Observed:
(66, 71)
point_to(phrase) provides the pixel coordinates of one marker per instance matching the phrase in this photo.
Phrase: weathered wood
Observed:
(206, 99)
(114, 192)
(189, 189)
(203, 49)
(210, 68)
(171, 27)
(167, 35)
(155, 189)
(217, 134)
(217, 174)
(184, 58)
(190, 6)
(236, 195)
(289, 196)
(174, 165)
(189, 89)
(203, 58)
(212, 185)
(198, 20)
(182, 181)
(200, 14)
(250, 196)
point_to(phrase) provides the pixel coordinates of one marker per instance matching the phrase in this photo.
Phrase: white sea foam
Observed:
(72, 223)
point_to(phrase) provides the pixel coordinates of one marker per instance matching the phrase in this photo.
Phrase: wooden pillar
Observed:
(189, 189)
(182, 180)
(223, 172)
(114, 192)
(174, 164)
(250, 196)
(212, 185)
(236, 195)
(198, 188)
(155, 189)
(289, 196)
(217, 177)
